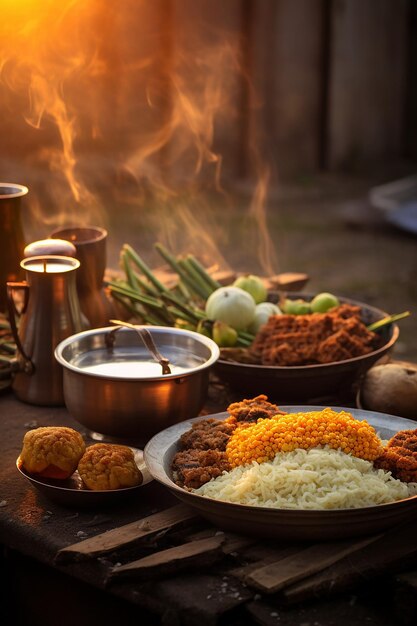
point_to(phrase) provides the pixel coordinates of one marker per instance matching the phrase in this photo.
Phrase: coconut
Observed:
(391, 388)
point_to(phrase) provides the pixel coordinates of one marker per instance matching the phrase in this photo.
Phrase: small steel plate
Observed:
(73, 493)
(284, 523)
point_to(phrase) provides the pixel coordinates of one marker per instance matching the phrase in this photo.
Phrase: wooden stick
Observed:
(275, 576)
(124, 535)
(273, 555)
(392, 550)
(232, 542)
(173, 558)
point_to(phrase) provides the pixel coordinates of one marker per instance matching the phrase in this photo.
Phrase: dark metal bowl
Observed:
(308, 382)
(284, 523)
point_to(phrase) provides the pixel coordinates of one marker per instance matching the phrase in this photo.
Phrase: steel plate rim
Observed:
(268, 511)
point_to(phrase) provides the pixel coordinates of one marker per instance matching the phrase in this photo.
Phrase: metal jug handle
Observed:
(11, 286)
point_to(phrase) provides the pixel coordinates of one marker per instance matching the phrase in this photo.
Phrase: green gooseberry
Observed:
(224, 335)
(253, 285)
(296, 307)
(323, 302)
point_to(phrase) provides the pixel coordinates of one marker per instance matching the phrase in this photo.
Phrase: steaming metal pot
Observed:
(48, 307)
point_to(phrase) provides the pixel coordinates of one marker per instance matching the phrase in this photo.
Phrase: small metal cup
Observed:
(12, 240)
(90, 243)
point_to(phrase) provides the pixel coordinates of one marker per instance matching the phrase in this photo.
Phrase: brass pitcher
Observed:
(49, 311)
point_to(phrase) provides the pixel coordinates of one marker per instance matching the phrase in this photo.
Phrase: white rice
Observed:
(319, 478)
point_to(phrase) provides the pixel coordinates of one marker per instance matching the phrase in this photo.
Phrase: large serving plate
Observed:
(73, 493)
(284, 523)
(308, 382)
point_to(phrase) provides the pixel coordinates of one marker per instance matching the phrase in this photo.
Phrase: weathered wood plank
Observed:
(395, 549)
(124, 535)
(236, 543)
(270, 556)
(185, 556)
(367, 81)
(275, 576)
(232, 542)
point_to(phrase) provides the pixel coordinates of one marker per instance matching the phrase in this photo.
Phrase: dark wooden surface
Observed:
(187, 574)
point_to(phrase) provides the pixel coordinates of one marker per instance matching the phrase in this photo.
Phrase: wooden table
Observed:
(186, 572)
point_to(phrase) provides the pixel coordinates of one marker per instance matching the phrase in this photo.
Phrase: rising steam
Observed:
(115, 98)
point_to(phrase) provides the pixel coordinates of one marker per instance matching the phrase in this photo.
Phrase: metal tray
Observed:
(405, 217)
(391, 196)
(284, 523)
(397, 202)
(73, 493)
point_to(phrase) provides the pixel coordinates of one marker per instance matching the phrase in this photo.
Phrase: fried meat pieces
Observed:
(252, 410)
(400, 456)
(209, 434)
(316, 338)
(202, 453)
(193, 468)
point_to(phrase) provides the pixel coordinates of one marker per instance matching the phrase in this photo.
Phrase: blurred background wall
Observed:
(175, 85)
(248, 132)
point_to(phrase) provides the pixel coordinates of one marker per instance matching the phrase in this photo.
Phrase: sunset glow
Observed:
(113, 99)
